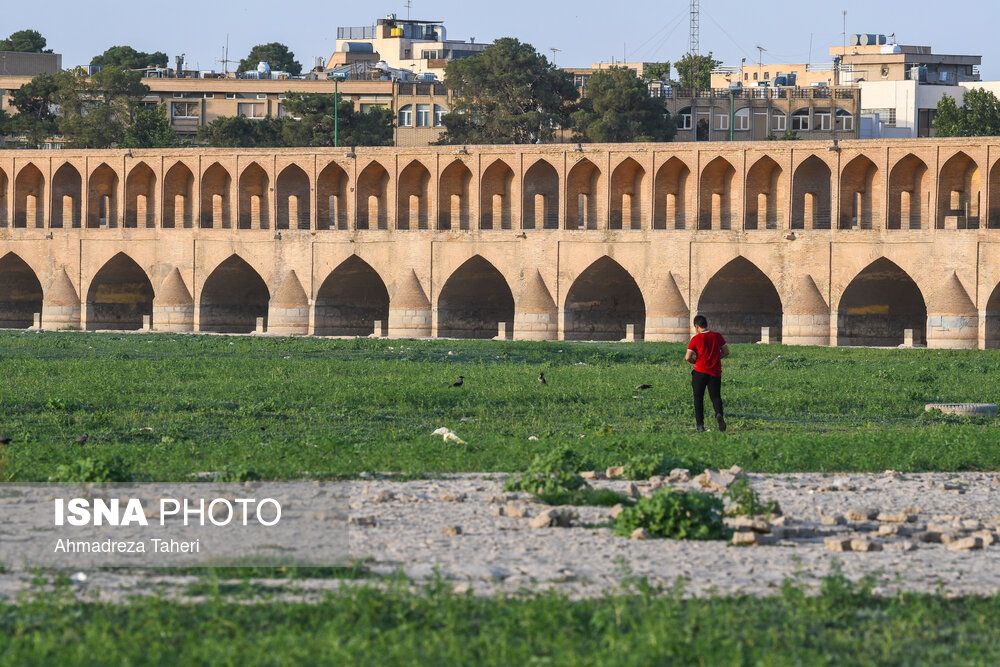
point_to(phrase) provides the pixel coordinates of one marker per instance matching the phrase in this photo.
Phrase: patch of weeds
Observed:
(644, 466)
(555, 471)
(93, 471)
(238, 474)
(741, 500)
(676, 515)
(584, 497)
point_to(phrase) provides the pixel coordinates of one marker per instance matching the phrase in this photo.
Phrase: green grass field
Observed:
(169, 406)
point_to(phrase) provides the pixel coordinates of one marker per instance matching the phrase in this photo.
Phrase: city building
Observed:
(16, 63)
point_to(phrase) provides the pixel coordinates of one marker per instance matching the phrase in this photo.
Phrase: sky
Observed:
(584, 31)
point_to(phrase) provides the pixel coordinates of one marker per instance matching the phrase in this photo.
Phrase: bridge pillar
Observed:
(173, 306)
(667, 316)
(535, 314)
(806, 319)
(288, 310)
(61, 304)
(952, 318)
(409, 309)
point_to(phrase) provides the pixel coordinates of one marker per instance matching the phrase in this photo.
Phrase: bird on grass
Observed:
(5, 440)
(459, 383)
(644, 387)
(541, 379)
(81, 439)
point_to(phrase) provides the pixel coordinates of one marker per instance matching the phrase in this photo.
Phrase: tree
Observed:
(97, 112)
(25, 41)
(618, 108)
(277, 55)
(126, 57)
(979, 115)
(241, 132)
(37, 117)
(150, 129)
(507, 94)
(694, 71)
(656, 71)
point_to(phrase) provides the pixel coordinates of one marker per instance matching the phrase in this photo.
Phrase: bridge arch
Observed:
(140, 197)
(178, 197)
(67, 197)
(584, 206)
(232, 298)
(331, 193)
(473, 302)
(254, 198)
(602, 302)
(29, 197)
(102, 197)
(413, 200)
(765, 195)
(294, 194)
(811, 195)
(672, 182)
(119, 296)
(878, 305)
(739, 300)
(216, 184)
(540, 200)
(3, 199)
(959, 193)
(453, 196)
(628, 198)
(20, 293)
(373, 201)
(861, 198)
(993, 320)
(351, 299)
(496, 196)
(909, 194)
(716, 209)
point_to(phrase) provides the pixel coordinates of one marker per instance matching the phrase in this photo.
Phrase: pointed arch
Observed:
(993, 320)
(140, 197)
(331, 191)
(673, 181)
(628, 196)
(294, 198)
(496, 196)
(119, 296)
(254, 203)
(20, 293)
(216, 184)
(29, 197)
(67, 197)
(909, 194)
(102, 197)
(232, 298)
(473, 302)
(584, 205)
(351, 299)
(453, 196)
(412, 202)
(540, 199)
(373, 202)
(959, 193)
(878, 305)
(716, 208)
(602, 302)
(740, 300)
(861, 197)
(765, 195)
(178, 197)
(3, 199)
(811, 195)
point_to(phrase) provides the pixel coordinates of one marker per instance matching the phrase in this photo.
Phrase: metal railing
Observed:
(762, 93)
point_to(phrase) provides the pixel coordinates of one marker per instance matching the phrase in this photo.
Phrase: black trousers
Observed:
(700, 382)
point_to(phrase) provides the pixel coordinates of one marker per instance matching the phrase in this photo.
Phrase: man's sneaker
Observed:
(701, 429)
(722, 423)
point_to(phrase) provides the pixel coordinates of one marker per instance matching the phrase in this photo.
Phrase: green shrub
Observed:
(555, 471)
(93, 471)
(644, 466)
(584, 496)
(741, 500)
(677, 515)
(237, 474)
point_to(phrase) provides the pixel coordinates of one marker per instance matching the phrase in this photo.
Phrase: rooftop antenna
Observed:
(694, 43)
(554, 51)
(760, 56)
(409, 6)
(225, 58)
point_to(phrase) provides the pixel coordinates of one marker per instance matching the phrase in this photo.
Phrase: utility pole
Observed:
(554, 51)
(409, 6)
(694, 41)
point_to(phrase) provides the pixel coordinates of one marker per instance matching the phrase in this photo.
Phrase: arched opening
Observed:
(453, 196)
(233, 298)
(178, 197)
(959, 193)
(860, 195)
(373, 183)
(215, 186)
(20, 293)
(741, 120)
(294, 200)
(811, 195)
(993, 320)
(67, 197)
(739, 301)
(103, 197)
(119, 296)
(351, 299)
(584, 207)
(254, 202)
(331, 189)
(540, 200)
(602, 302)
(879, 305)
(779, 122)
(29, 197)
(496, 195)
(764, 195)
(140, 197)
(412, 202)
(909, 193)
(474, 301)
(3, 199)
(716, 206)
(671, 185)
(627, 196)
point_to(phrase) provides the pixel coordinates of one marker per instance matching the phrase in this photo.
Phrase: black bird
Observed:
(644, 387)
(81, 439)
(541, 379)
(5, 440)
(459, 383)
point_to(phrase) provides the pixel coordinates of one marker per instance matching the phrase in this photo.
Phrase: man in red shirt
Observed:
(706, 352)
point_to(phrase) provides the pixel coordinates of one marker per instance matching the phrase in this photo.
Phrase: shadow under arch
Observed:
(602, 302)
(473, 302)
(739, 301)
(879, 305)
(351, 299)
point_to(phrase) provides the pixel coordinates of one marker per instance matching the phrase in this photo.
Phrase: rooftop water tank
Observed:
(264, 68)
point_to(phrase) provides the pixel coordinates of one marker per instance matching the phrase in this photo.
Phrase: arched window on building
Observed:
(685, 119)
(439, 113)
(779, 121)
(406, 116)
(801, 122)
(743, 120)
(845, 121)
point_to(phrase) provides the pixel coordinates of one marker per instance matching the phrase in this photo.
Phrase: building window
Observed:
(261, 96)
(230, 96)
(365, 108)
(185, 110)
(779, 122)
(439, 112)
(722, 121)
(845, 121)
(823, 120)
(743, 119)
(282, 96)
(423, 115)
(406, 116)
(800, 121)
(249, 110)
(755, 76)
(746, 76)
(209, 96)
(684, 119)
(767, 76)
(178, 96)
(886, 116)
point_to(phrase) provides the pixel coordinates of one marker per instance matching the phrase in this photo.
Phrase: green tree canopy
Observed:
(507, 94)
(275, 54)
(978, 116)
(619, 109)
(656, 71)
(37, 117)
(150, 129)
(128, 58)
(694, 71)
(25, 41)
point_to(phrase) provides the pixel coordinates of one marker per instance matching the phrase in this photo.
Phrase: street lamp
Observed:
(337, 78)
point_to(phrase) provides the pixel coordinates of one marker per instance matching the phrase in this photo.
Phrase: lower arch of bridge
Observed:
(20, 293)
(233, 297)
(119, 296)
(602, 302)
(993, 320)
(474, 301)
(880, 303)
(351, 299)
(739, 301)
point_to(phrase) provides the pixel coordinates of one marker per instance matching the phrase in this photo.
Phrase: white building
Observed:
(906, 109)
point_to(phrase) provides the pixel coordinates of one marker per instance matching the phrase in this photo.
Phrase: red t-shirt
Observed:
(708, 348)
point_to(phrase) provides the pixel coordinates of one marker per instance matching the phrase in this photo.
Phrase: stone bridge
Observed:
(849, 244)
